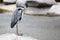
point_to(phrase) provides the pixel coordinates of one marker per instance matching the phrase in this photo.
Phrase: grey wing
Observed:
(14, 19)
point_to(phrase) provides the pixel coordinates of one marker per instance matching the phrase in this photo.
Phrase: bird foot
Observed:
(21, 34)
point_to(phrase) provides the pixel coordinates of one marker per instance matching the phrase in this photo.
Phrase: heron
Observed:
(17, 16)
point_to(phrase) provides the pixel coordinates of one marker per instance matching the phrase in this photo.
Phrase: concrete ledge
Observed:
(35, 14)
(7, 8)
(29, 10)
(3, 10)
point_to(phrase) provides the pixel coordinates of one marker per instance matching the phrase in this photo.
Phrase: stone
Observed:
(12, 36)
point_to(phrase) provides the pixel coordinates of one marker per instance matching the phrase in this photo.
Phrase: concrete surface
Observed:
(39, 27)
(11, 36)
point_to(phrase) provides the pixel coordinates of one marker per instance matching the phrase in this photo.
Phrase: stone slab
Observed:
(54, 10)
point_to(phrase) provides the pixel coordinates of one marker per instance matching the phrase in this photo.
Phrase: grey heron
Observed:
(17, 16)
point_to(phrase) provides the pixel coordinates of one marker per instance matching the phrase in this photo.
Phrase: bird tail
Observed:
(13, 24)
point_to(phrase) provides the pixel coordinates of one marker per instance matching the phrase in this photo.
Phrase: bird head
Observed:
(20, 9)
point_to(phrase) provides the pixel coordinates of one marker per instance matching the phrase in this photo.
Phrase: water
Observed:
(39, 27)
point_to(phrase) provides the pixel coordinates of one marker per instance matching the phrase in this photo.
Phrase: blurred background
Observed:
(35, 22)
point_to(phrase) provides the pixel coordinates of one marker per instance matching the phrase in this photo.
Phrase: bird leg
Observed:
(17, 29)
(17, 32)
(21, 34)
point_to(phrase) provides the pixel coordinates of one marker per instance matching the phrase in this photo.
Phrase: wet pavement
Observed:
(39, 27)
